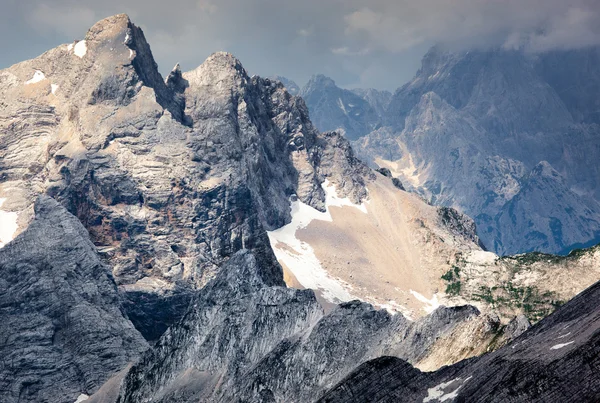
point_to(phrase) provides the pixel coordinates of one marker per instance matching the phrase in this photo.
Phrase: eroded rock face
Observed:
(64, 329)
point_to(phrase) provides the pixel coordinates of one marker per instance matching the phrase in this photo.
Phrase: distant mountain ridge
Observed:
(332, 107)
(470, 130)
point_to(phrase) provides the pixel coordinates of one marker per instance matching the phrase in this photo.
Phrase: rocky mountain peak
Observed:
(319, 80)
(220, 68)
(544, 169)
(290, 85)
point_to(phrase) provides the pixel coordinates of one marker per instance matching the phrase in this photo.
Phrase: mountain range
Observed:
(197, 238)
(507, 137)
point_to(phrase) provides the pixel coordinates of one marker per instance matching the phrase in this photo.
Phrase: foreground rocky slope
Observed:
(503, 136)
(553, 361)
(244, 341)
(63, 328)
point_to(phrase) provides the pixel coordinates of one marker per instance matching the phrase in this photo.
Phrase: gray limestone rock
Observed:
(64, 331)
(170, 177)
(245, 341)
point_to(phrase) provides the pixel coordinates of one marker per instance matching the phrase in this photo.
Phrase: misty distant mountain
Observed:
(472, 128)
(332, 108)
(289, 85)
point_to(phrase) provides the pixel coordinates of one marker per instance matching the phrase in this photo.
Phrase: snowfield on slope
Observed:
(300, 257)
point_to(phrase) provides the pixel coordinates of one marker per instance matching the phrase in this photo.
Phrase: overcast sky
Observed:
(359, 43)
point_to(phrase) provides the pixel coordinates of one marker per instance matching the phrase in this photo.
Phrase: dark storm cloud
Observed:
(359, 43)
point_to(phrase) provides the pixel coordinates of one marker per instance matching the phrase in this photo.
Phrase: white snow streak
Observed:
(332, 199)
(559, 346)
(126, 38)
(82, 397)
(70, 47)
(300, 257)
(80, 49)
(37, 77)
(437, 392)
(431, 304)
(8, 225)
(341, 105)
(564, 335)
(130, 54)
(54, 88)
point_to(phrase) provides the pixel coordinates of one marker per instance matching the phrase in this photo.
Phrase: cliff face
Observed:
(333, 108)
(245, 341)
(63, 326)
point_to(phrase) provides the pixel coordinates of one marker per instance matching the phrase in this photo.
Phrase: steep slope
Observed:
(553, 361)
(63, 327)
(471, 128)
(333, 108)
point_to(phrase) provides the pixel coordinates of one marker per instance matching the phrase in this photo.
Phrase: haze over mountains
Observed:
(508, 137)
(196, 238)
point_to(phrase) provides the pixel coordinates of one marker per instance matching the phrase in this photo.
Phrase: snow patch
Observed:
(81, 398)
(437, 392)
(8, 225)
(54, 88)
(431, 304)
(80, 49)
(70, 47)
(130, 54)
(300, 257)
(126, 39)
(559, 346)
(37, 77)
(332, 199)
(341, 105)
(563, 336)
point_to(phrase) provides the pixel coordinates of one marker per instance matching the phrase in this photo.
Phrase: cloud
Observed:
(375, 43)
(65, 20)
(538, 25)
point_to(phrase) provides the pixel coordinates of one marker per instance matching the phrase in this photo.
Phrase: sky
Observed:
(359, 43)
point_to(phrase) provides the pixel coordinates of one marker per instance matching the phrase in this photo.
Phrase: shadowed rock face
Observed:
(555, 360)
(170, 178)
(472, 130)
(63, 328)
